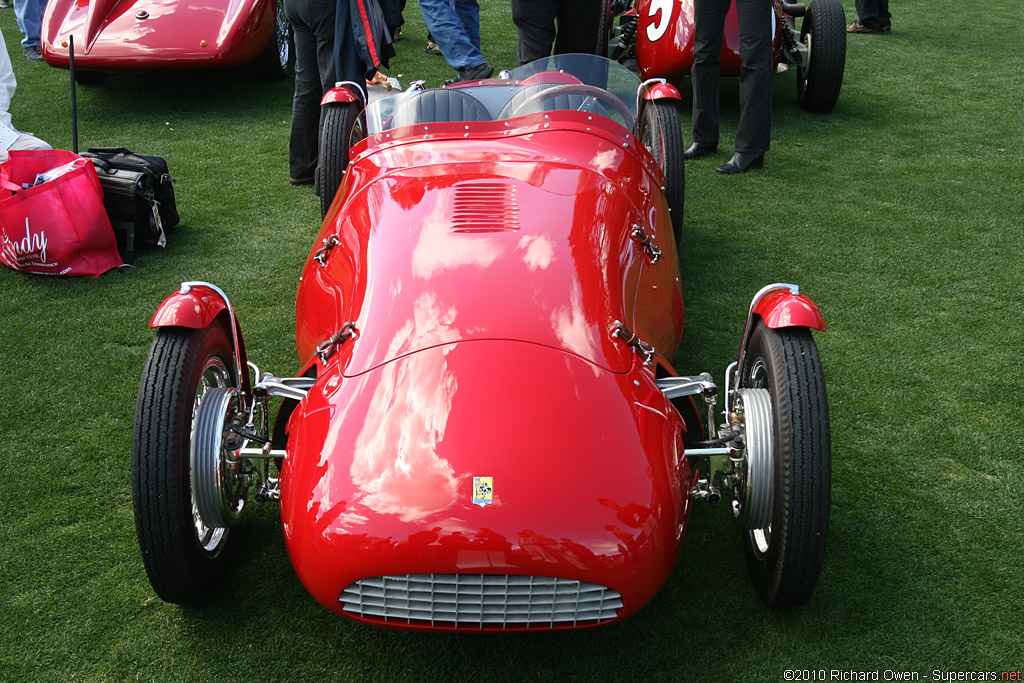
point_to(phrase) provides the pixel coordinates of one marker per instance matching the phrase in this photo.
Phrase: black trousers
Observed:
(874, 13)
(755, 31)
(535, 21)
(313, 29)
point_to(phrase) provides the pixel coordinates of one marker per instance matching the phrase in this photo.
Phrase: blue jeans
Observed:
(30, 19)
(455, 27)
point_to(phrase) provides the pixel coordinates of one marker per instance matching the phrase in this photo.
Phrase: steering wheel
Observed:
(576, 89)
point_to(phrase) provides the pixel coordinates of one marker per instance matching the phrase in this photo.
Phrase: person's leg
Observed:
(708, 35)
(30, 19)
(884, 18)
(469, 14)
(447, 30)
(867, 14)
(755, 28)
(578, 21)
(535, 24)
(313, 37)
(29, 14)
(24, 141)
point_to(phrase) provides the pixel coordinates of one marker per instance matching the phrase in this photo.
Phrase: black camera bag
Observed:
(138, 196)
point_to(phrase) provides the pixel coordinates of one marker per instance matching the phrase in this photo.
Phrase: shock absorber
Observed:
(627, 37)
(790, 45)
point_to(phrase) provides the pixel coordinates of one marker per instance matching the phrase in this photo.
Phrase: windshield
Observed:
(578, 82)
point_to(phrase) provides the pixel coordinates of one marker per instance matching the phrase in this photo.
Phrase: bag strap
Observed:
(13, 187)
(110, 150)
(104, 164)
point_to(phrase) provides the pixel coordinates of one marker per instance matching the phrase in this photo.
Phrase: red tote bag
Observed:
(58, 227)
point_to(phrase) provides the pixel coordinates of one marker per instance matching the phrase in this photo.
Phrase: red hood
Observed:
(586, 469)
(469, 245)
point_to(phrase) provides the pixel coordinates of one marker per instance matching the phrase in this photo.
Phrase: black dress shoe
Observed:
(741, 163)
(476, 73)
(698, 150)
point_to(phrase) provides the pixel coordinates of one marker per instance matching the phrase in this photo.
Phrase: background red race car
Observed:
(486, 431)
(137, 35)
(660, 35)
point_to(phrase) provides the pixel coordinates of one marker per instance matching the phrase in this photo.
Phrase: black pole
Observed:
(74, 104)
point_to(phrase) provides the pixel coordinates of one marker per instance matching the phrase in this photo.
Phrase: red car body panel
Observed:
(194, 309)
(664, 40)
(783, 309)
(127, 34)
(548, 203)
(197, 309)
(485, 266)
(341, 95)
(596, 494)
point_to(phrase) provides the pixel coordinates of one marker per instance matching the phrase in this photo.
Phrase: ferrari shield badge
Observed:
(483, 491)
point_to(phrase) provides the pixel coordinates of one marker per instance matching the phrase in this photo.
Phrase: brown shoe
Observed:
(857, 27)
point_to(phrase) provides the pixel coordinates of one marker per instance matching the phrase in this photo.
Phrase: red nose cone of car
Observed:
(542, 468)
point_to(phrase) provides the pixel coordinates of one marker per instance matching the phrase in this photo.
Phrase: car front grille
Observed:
(481, 601)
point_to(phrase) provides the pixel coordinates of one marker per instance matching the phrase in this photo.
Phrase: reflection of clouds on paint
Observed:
(395, 464)
(540, 252)
(606, 160)
(572, 329)
(438, 249)
(429, 325)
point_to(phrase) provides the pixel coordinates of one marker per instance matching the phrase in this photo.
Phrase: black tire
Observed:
(275, 62)
(603, 35)
(662, 135)
(344, 125)
(186, 561)
(785, 558)
(818, 85)
(90, 77)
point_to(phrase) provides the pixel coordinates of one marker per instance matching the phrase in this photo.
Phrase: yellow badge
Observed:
(483, 491)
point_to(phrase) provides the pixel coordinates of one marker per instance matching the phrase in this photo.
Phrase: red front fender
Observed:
(785, 309)
(662, 91)
(339, 94)
(780, 305)
(196, 306)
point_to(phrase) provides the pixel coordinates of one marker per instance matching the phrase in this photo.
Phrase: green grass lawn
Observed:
(899, 213)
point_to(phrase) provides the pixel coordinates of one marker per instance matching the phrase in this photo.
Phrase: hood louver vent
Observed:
(484, 207)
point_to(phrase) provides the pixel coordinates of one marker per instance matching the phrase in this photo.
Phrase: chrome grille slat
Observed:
(479, 600)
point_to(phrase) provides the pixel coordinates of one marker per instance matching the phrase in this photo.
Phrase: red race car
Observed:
(137, 35)
(487, 432)
(660, 35)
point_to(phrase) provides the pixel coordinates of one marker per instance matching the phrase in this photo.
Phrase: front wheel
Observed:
(661, 134)
(344, 125)
(603, 37)
(785, 555)
(186, 559)
(824, 31)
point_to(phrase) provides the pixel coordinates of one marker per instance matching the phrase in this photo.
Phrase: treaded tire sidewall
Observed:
(179, 569)
(335, 142)
(786, 574)
(604, 29)
(660, 118)
(818, 91)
